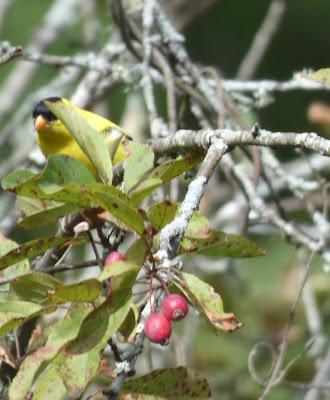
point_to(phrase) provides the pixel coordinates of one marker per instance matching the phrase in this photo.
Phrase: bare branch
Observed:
(87, 61)
(172, 234)
(61, 14)
(321, 377)
(277, 376)
(8, 52)
(4, 7)
(91, 24)
(187, 140)
(299, 82)
(262, 40)
(268, 213)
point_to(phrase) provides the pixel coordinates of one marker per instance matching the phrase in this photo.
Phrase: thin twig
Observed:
(91, 23)
(262, 40)
(321, 378)
(299, 82)
(68, 267)
(7, 53)
(61, 13)
(4, 7)
(87, 61)
(277, 376)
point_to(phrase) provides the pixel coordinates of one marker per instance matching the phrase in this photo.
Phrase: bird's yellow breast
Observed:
(52, 142)
(54, 138)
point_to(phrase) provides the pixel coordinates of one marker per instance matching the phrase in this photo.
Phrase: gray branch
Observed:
(172, 234)
(187, 140)
(321, 377)
(262, 40)
(299, 82)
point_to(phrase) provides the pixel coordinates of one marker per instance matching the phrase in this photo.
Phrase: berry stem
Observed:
(161, 280)
(152, 305)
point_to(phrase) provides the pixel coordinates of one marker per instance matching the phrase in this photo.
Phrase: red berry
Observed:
(157, 328)
(113, 257)
(174, 307)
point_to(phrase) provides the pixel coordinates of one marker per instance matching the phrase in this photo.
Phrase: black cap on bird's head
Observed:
(42, 114)
(41, 108)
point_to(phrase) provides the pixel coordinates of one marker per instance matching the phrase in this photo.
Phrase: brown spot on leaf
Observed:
(43, 204)
(226, 322)
(154, 374)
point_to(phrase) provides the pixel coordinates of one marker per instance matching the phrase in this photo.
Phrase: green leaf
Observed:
(16, 178)
(89, 139)
(70, 193)
(60, 169)
(76, 371)
(208, 302)
(85, 291)
(127, 328)
(219, 244)
(172, 168)
(199, 237)
(113, 138)
(15, 313)
(40, 287)
(139, 162)
(103, 321)
(50, 386)
(121, 273)
(162, 174)
(119, 205)
(321, 75)
(48, 216)
(160, 214)
(36, 287)
(144, 189)
(199, 227)
(136, 253)
(59, 334)
(29, 206)
(50, 184)
(35, 248)
(108, 197)
(20, 268)
(170, 383)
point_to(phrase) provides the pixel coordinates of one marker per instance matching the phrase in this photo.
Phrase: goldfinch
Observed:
(54, 137)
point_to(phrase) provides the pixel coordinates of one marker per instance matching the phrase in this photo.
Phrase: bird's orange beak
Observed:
(39, 123)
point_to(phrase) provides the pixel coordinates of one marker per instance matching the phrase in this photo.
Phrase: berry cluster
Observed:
(158, 326)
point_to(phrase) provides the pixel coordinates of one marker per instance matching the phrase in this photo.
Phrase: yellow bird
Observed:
(54, 138)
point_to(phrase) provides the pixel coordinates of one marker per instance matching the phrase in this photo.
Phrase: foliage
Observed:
(91, 317)
(72, 323)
